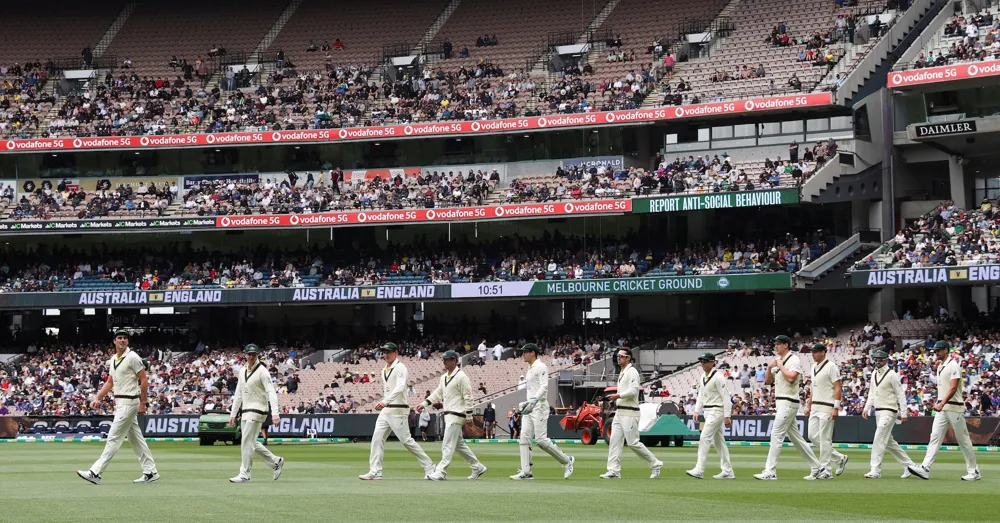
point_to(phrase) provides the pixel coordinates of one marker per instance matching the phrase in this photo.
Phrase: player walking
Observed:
(785, 373)
(535, 416)
(825, 395)
(127, 377)
(253, 399)
(887, 396)
(716, 403)
(950, 412)
(625, 427)
(392, 412)
(455, 392)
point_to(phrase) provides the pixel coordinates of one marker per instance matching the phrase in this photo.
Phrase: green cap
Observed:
(121, 333)
(251, 348)
(450, 355)
(708, 357)
(819, 347)
(390, 347)
(783, 339)
(531, 347)
(880, 354)
(942, 345)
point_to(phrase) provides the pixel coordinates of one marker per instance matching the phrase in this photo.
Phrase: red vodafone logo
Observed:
(342, 134)
(362, 217)
(11, 145)
(476, 127)
(431, 214)
(609, 117)
(749, 105)
(275, 137)
(226, 222)
(679, 112)
(293, 219)
(896, 79)
(500, 211)
(408, 130)
(568, 208)
(542, 122)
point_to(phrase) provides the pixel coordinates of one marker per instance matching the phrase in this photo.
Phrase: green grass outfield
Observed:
(38, 483)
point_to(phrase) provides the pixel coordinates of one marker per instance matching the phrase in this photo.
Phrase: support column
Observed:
(881, 304)
(980, 298)
(859, 214)
(956, 177)
(954, 297)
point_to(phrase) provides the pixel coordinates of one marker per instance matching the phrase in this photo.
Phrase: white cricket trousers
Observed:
(712, 434)
(125, 424)
(625, 429)
(884, 422)
(821, 434)
(249, 445)
(956, 420)
(786, 424)
(451, 443)
(397, 424)
(535, 426)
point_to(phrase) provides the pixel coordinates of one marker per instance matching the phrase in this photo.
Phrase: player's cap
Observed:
(880, 354)
(449, 355)
(121, 333)
(708, 357)
(783, 339)
(942, 345)
(390, 347)
(531, 347)
(251, 348)
(819, 347)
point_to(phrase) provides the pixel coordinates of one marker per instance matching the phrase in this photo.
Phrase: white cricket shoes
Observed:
(655, 470)
(278, 467)
(872, 475)
(841, 465)
(239, 479)
(764, 476)
(611, 475)
(725, 475)
(972, 477)
(436, 476)
(521, 476)
(370, 476)
(919, 471)
(693, 474)
(568, 468)
(147, 478)
(477, 472)
(89, 476)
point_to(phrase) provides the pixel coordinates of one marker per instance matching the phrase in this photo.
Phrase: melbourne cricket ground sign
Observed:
(659, 285)
(927, 276)
(720, 200)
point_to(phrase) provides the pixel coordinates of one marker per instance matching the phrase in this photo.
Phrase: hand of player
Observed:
(728, 422)
(613, 397)
(938, 406)
(419, 408)
(232, 422)
(695, 416)
(96, 404)
(275, 419)
(902, 420)
(379, 406)
(142, 408)
(833, 415)
(864, 414)
(438, 405)
(807, 411)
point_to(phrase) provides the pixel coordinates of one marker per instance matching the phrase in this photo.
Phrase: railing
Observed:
(104, 62)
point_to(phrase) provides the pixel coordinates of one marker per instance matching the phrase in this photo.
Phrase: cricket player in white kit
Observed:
(950, 412)
(392, 416)
(785, 373)
(625, 427)
(454, 394)
(127, 377)
(717, 405)
(535, 416)
(887, 396)
(253, 396)
(825, 395)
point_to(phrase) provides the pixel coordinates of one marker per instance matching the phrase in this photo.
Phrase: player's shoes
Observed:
(763, 476)
(611, 475)
(278, 467)
(568, 468)
(724, 475)
(239, 479)
(87, 475)
(521, 476)
(906, 473)
(919, 471)
(823, 473)
(872, 475)
(478, 472)
(972, 477)
(841, 465)
(655, 470)
(371, 476)
(435, 476)
(147, 478)
(693, 474)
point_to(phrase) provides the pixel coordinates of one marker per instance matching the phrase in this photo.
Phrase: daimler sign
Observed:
(944, 129)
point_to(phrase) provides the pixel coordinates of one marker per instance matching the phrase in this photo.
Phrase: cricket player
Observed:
(253, 398)
(625, 427)
(785, 373)
(535, 416)
(127, 377)
(454, 393)
(825, 395)
(717, 405)
(392, 413)
(888, 397)
(950, 412)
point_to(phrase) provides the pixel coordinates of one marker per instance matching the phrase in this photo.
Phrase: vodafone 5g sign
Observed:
(946, 73)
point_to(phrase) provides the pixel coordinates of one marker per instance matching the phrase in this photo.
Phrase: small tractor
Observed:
(592, 420)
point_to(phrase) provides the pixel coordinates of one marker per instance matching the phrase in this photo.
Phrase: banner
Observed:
(611, 162)
(927, 276)
(133, 224)
(726, 200)
(125, 299)
(190, 182)
(945, 73)
(663, 285)
(932, 130)
(446, 214)
(520, 125)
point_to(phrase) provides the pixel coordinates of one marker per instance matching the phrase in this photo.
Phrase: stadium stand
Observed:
(967, 38)
(59, 31)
